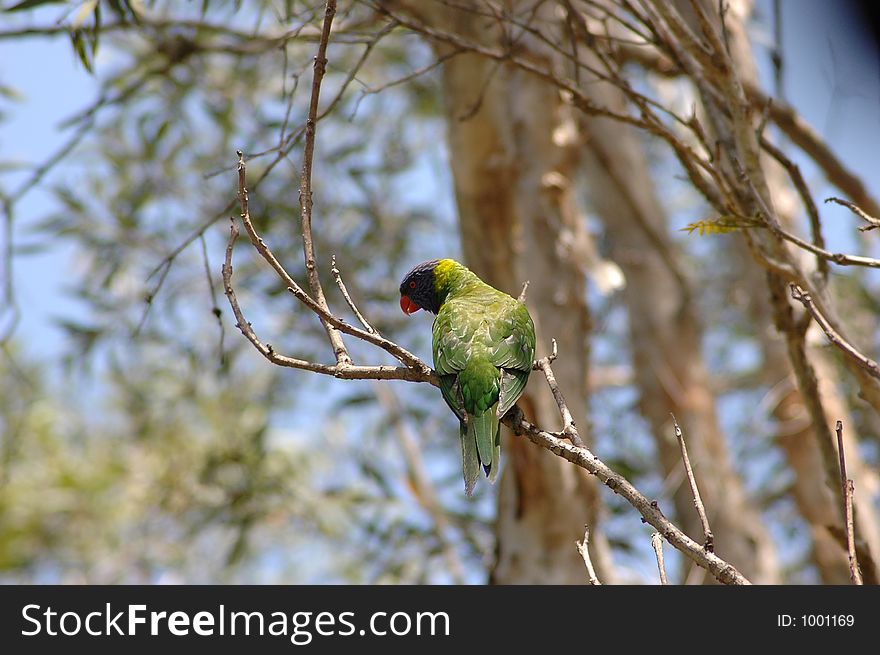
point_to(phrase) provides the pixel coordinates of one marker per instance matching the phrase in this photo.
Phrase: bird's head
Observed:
(419, 289)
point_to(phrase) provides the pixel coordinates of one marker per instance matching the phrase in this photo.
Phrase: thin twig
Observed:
(708, 537)
(569, 430)
(838, 258)
(584, 549)
(348, 372)
(834, 337)
(657, 545)
(847, 488)
(873, 222)
(339, 283)
(422, 372)
(215, 307)
(797, 178)
(305, 188)
(402, 80)
(522, 294)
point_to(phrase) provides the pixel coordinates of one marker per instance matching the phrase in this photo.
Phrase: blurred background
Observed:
(143, 440)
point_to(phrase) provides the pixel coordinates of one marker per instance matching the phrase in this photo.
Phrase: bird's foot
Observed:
(514, 419)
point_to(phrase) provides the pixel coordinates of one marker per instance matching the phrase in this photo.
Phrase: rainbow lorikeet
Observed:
(484, 345)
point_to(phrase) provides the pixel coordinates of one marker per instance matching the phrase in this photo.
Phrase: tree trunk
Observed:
(512, 162)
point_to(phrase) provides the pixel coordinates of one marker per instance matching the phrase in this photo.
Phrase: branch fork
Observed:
(566, 444)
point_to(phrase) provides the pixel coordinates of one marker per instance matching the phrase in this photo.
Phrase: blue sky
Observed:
(53, 85)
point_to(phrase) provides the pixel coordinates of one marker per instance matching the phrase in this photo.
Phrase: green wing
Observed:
(513, 354)
(452, 394)
(450, 357)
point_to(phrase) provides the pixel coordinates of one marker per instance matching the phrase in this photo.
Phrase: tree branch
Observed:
(422, 372)
(873, 222)
(584, 549)
(347, 372)
(339, 283)
(708, 537)
(722, 570)
(657, 545)
(418, 371)
(569, 430)
(834, 337)
(305, 188)
(847, 490)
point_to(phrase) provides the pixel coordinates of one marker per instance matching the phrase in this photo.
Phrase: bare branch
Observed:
(522, 294)
(406, 78)
(838, 258)
(657, 545)
(584, 549)
(422, 370)
(834, 337)
(873, 222)
(418, 371)
(847, 489)
(577, 454)
(722, 570)
(784, 116)
(339, 283)
(305, 188)
(797, 178)
(569, 430)
(708, 537)
(348, 372)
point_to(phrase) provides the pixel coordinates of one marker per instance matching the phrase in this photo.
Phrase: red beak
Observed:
(408, 306)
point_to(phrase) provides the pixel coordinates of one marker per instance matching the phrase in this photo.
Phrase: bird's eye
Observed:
(412, 285)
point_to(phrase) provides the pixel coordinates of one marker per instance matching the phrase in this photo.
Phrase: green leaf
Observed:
(9, 93)
(86, 10)
(81, 48)
(721, 225)
(30, 4)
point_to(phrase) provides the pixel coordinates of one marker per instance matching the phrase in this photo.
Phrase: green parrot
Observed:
(484, 346)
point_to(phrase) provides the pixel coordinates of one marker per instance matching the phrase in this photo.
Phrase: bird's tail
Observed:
(480, 446)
